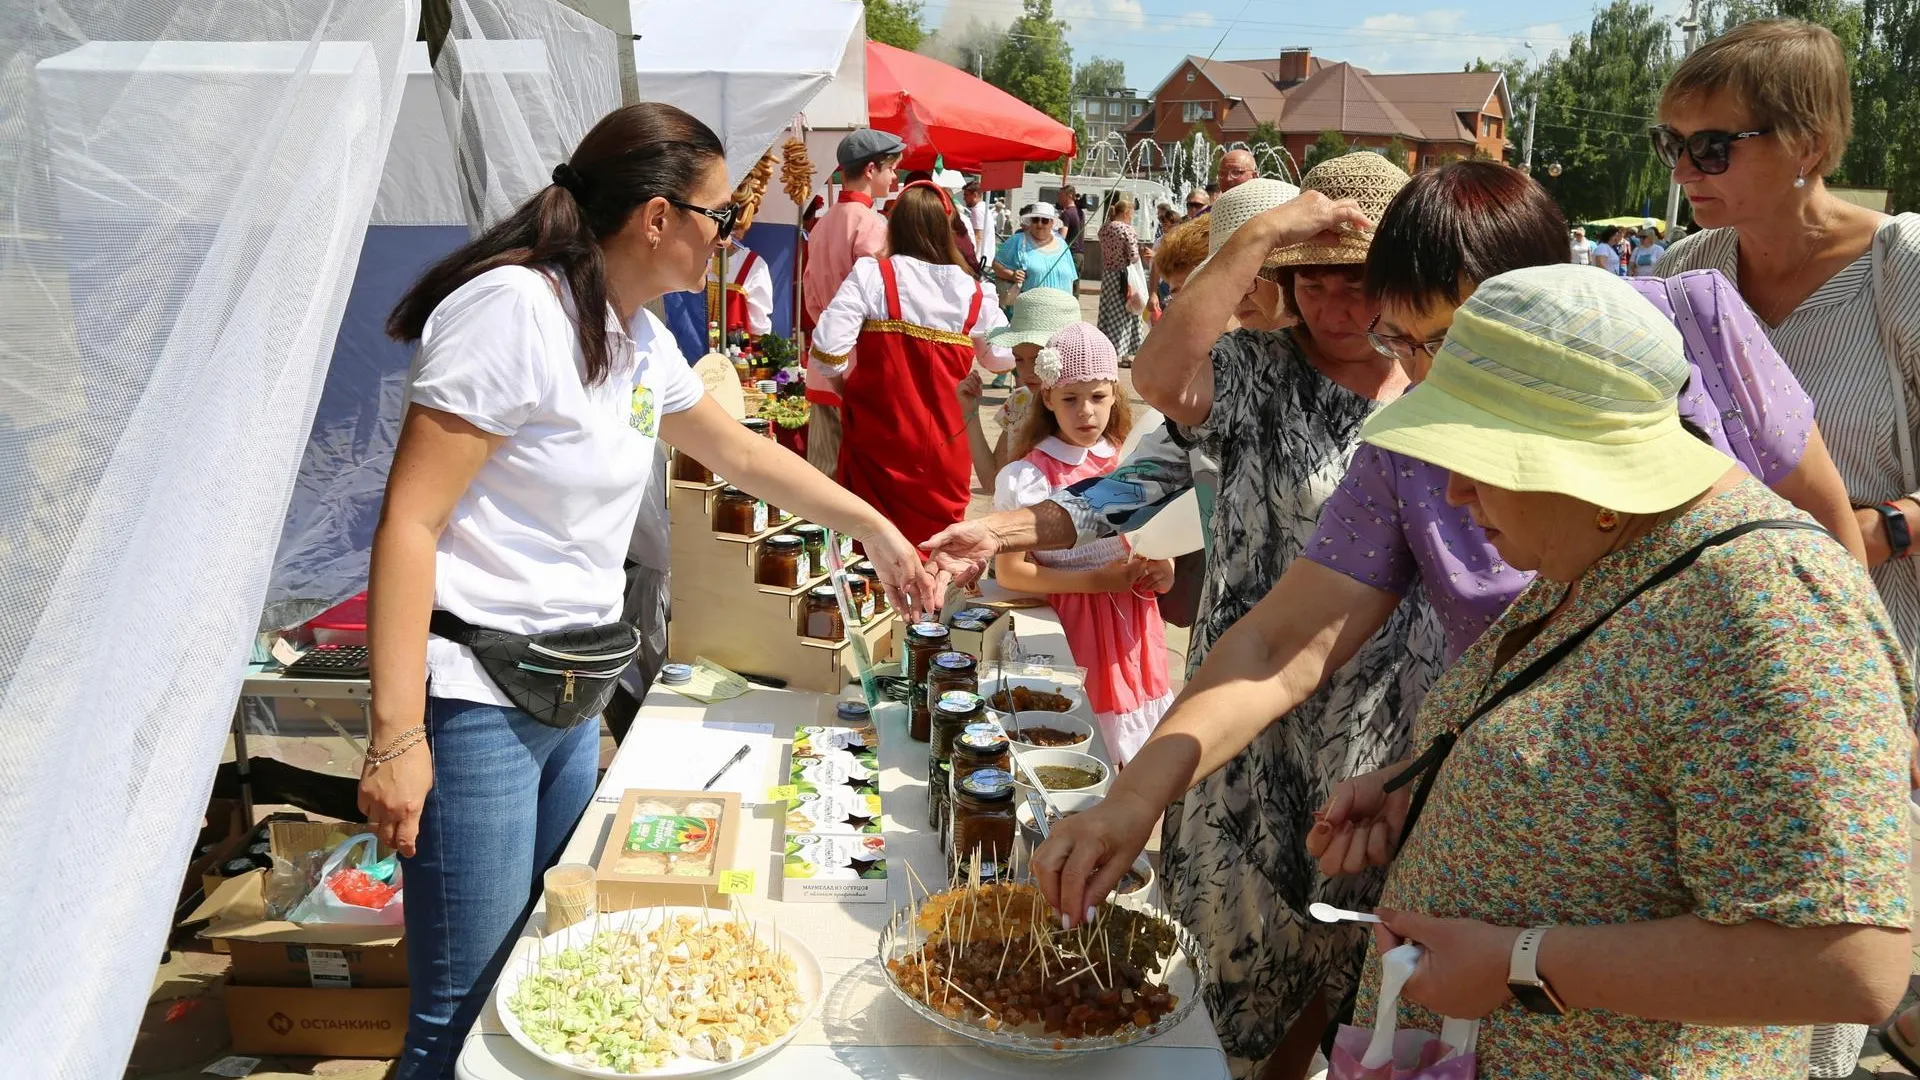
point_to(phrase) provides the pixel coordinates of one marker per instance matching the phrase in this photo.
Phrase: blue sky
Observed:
(1151, 36)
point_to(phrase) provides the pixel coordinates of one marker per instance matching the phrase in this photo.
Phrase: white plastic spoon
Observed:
(1329, 914)
(1396, 967)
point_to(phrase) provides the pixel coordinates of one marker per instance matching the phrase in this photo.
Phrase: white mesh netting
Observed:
(186, 187)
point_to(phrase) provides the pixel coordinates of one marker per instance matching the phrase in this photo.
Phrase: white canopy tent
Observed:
(187, 189)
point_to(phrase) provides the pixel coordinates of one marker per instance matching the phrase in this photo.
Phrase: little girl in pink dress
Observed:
(1104, 598)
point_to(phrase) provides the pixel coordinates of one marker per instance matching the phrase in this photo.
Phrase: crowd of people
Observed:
(1560, 614)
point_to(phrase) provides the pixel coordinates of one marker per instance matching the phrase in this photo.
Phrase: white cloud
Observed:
(1439, 40)
(1196, 20)
(1129, 13)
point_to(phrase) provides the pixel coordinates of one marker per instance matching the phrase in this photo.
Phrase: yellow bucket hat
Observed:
(1558, 378)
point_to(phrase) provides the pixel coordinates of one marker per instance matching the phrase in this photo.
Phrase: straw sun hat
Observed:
(1242, 204)
(1555, 378)
(1363, 176)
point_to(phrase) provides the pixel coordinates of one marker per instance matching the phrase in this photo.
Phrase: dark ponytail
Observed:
(633, 155)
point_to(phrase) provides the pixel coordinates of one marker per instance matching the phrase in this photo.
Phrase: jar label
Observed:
(759, 516)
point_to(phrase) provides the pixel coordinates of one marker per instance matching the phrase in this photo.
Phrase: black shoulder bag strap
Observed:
(1426, 767)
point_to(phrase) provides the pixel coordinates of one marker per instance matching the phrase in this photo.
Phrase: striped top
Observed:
(1834, 343)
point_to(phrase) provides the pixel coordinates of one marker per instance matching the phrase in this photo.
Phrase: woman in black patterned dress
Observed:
(1280, 411)
(1119, 249)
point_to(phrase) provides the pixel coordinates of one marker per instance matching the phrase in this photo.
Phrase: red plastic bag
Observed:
(353, 886)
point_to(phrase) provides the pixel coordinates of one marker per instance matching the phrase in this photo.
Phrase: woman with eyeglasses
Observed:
(1751, 124)
(919, 317)
(1388, 528)
(540, 388)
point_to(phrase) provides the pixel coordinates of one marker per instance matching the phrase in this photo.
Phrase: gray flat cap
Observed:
(865, 143)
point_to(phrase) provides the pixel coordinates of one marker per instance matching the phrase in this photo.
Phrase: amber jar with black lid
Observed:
(737, 513)
(955, 710)
(867, 571)
(952, 671)
(759, 425)
(982, 820)
(686, 468)
(924, 642)
(980, 746)
(822, 618)
(782, 562)
(860, 597)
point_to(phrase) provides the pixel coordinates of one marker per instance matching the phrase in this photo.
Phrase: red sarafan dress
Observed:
(904, 440)
(1118, 637)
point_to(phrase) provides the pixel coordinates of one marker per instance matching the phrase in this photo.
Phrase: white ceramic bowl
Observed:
(990, 685)
(1141, 898)
(1080, 726)
(1037, 758)
(1068, 802)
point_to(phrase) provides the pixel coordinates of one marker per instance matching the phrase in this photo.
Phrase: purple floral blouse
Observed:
(1388, 525)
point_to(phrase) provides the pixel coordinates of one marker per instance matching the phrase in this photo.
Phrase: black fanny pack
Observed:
(559, 678)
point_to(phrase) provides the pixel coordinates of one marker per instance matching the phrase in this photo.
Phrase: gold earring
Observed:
(1606, 520)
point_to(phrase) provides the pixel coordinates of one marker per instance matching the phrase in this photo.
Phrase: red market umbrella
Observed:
(944, 112)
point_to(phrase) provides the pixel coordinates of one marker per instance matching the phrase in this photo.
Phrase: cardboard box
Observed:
(837, 810)
(819, 740)
(662, 830)
(834, 868)
(322, 1023)
(982, 645)
(856, 770)
(277, 961)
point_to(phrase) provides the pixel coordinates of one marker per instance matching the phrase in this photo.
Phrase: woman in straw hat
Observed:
(1658, 823)
(1280, 412)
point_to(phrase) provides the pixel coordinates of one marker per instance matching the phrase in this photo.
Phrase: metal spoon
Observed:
(1327, 913)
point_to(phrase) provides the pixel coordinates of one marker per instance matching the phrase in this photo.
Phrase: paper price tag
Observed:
(783, 793)
(736, 882)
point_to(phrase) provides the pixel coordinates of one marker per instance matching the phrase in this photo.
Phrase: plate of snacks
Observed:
(990, 963)
(660, 992)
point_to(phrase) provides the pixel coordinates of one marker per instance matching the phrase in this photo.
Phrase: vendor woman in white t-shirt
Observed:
(537, 394)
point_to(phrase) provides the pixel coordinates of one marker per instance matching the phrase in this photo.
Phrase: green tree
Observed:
(1595, 104)
(1035, 63)
(1397, 152)
(1100, 75)
(895, 22)
(1330, 144)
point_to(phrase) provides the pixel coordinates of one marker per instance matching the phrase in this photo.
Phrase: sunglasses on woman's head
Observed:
(724, 219)
(1710, 150)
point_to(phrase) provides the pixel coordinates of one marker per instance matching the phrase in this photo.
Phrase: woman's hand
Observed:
(910, 585)
(393, 793)
(1087, 854)
(1153, 575)
(1312, 216)
(1020, 277)
(963, 551)
(1464, 971)
(1361, 824)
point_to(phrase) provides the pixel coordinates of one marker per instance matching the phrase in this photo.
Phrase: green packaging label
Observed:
(670, 834)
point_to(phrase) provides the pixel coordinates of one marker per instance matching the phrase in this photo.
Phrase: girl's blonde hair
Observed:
(1041, 423)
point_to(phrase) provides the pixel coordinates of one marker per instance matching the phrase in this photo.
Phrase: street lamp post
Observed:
(1533, 111)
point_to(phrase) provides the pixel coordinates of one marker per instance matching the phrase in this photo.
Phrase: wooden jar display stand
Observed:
(720, 611)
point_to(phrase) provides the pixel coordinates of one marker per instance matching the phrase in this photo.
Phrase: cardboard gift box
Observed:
(667, 847)
(321, 1023)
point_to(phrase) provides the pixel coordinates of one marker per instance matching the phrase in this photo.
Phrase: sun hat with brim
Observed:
(1363, 176)
(1038, 314)
(1240, 205)
(1039, 210)
(1555, 378)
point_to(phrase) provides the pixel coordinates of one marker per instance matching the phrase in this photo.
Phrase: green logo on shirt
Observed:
(644, 418)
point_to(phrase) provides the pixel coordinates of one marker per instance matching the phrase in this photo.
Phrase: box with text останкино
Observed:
(322, 1023)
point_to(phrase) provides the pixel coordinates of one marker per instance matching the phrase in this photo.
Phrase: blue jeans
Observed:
(507, 792)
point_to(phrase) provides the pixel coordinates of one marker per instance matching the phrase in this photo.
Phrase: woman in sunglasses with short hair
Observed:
(1751, 125)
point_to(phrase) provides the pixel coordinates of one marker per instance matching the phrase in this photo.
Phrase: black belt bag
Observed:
(559, 678)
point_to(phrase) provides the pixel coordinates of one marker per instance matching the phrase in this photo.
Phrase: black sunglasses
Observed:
(722, 218)
(1709, 150)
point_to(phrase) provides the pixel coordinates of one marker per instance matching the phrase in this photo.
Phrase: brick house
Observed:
(1437, 117)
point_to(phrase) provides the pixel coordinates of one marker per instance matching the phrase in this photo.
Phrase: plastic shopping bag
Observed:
(367, 893)
(1388, 1054)
(1136, 289)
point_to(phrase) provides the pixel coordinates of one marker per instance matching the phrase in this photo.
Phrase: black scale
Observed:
(330, 662)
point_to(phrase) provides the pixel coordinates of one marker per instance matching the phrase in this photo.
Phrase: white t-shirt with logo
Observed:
(537, 542)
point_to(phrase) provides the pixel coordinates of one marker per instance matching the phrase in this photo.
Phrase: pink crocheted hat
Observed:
(1077, 353)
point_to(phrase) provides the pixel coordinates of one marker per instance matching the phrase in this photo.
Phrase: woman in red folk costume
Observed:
(920, 318)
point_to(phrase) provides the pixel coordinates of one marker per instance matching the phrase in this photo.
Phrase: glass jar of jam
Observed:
(759, 425)
(951, 714)
(982, 820)
(686, 468)
(738, 513)
(951, 671)
(782, 563)
(939, 799)
(860, 597)
(866, 570)
(815, 537)
(822, 618)
(924, 642)
(980, 746)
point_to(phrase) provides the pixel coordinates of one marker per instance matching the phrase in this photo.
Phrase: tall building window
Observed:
(1197, 110)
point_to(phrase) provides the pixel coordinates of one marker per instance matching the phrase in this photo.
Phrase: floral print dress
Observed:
(1119, 249)
(1731, 745)
(1234, 847)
